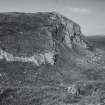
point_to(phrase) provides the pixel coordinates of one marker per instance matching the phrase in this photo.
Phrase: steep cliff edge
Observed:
(46, 60)
(47, 25)
(30, 35)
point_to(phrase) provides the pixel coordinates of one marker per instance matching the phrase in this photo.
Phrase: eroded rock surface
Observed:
(46, 60)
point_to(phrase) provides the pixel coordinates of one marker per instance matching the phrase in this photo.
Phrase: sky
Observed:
(90, 14)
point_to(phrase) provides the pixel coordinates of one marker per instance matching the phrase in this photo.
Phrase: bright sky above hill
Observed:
(90, 14)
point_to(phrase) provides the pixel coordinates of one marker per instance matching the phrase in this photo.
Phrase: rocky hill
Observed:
(46, 60)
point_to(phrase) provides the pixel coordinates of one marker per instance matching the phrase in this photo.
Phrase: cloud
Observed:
(77, 10)
(80, 10)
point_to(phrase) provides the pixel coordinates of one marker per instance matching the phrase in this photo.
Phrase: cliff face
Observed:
(46, 60)
(30, 35)
(25, 31)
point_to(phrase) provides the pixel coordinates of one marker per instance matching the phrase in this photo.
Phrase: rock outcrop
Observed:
(46, 60)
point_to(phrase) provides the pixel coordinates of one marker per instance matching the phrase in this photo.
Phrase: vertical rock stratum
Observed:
(46, 60)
